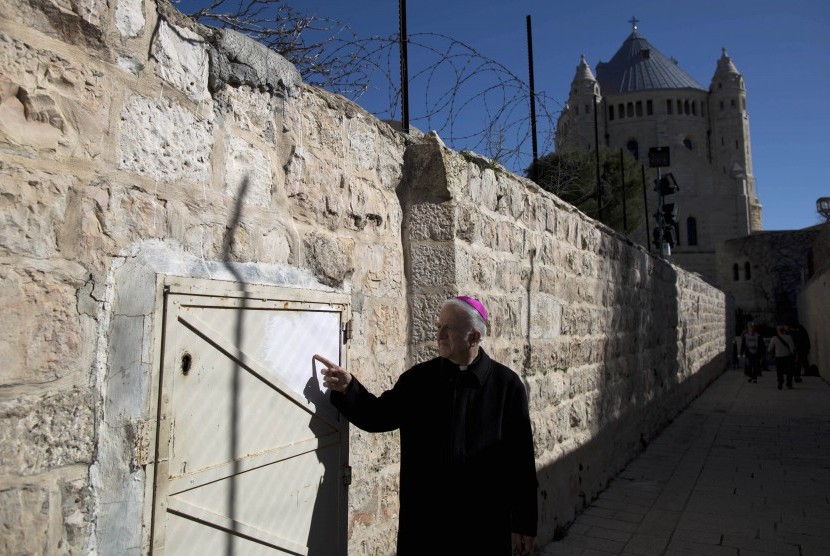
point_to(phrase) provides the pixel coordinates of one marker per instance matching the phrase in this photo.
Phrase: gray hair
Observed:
(476, 320)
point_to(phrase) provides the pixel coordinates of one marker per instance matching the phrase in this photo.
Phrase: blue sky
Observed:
(782, 48)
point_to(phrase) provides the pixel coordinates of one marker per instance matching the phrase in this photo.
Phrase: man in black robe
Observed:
(468, 473)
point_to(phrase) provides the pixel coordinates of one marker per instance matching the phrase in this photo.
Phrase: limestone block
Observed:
(469, 225)
(46, 432)
(386, 328)
(76, 23)
(433, 264)
(545, 317)
(382, 269)
(275, 244)
(129, 17)
(366, 205)
(240, 60)
(483, 273)
(32, 204)
(76, 513)
(424, 317)
(362, 143)
(490, 193)
(43, 338)
(182, 60)
(52, 105)
(435, 221)
(24, 519)
(248, 176)
(161, 140)
(252, 111)
(427, 350)
(331, 259)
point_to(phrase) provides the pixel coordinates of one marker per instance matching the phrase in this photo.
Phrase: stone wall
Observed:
(814, 302)
(778, 267)
(134, 143)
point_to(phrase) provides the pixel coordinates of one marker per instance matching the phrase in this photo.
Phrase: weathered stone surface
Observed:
(247, 173)
(42, 433)
(76, 513)
(163, 141)
(76, 23)
(50, 104)
(129, 17)
(239, 60)
(331, 259)
(182, 60)
(43, 337)
(24, 515)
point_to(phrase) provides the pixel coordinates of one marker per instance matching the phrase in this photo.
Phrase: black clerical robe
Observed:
(468, 474)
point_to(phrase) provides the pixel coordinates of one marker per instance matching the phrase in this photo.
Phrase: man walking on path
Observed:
(753, 351)
(782, 347)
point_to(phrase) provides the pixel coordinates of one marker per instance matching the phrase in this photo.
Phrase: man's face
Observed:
(454, 334)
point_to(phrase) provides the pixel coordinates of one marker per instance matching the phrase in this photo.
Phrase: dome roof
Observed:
(638, 66)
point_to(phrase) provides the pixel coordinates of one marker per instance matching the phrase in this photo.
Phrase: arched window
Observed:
(691, 231)
(735, 272)
(747, 274)
(611, 112)
(686, 107)
(629, 109)
(633, 148)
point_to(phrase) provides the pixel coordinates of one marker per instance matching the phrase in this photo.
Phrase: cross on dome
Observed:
(633, 21)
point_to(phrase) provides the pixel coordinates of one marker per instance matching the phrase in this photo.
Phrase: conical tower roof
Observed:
(725, 65)
(638, 66)
(583, 71)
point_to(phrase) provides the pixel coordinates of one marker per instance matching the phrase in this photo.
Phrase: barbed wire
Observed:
(473, 102)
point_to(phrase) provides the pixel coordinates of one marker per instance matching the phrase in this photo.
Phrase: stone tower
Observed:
(643, 100)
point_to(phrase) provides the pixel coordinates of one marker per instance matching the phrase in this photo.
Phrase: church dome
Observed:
(638, 66)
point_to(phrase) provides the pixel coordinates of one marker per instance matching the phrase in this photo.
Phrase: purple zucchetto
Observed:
(475, 304)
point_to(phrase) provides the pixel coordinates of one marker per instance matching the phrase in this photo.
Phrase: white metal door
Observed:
(251, 456)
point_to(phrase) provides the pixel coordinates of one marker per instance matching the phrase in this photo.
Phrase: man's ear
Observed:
(475, 337)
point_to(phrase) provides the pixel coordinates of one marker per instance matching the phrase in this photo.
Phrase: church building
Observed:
(641, 100)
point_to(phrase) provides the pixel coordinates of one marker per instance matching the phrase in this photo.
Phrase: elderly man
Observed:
(468, 474)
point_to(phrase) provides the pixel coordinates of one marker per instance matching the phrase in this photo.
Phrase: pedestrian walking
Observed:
(753, 350)
(782, 348)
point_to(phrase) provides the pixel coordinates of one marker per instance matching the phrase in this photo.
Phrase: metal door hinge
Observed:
(347, 332)
(141, 434)
(347, 475)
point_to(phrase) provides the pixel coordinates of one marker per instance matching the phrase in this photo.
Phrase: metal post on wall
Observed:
(533, 175)
(404, 68)
(645, 208)
(622, 191)
(596, 146)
